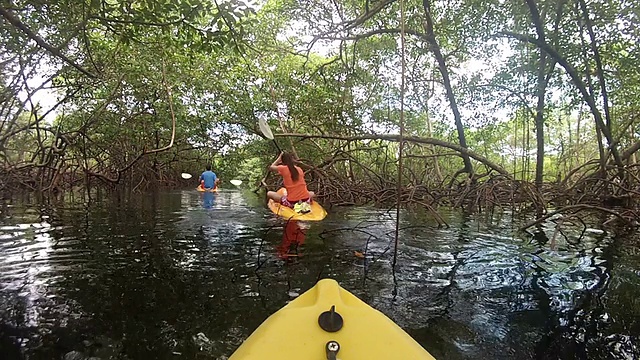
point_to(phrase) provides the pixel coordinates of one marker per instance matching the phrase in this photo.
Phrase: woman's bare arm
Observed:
(274, 165)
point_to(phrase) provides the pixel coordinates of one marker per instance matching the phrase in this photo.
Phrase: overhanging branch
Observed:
(413, 139)
(13, 20)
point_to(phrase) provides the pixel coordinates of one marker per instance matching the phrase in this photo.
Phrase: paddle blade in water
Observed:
(186, 176)
(236, 182)
(266, 131)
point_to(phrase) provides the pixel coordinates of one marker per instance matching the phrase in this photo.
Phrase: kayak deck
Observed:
(294, 332)
(317, 212)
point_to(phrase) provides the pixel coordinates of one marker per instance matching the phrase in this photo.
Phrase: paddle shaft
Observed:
(276, 144)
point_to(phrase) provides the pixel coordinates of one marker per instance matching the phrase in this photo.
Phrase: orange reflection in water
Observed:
(292, 238)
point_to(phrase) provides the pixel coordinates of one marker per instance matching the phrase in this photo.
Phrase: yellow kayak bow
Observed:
(328, 322)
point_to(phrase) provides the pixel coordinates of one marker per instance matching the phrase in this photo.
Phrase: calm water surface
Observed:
(184, 275)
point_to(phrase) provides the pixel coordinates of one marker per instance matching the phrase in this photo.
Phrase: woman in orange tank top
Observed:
(294, 182)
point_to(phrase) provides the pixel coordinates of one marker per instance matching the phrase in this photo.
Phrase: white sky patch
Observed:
(297, 30)
(44, 98)
(474, 65)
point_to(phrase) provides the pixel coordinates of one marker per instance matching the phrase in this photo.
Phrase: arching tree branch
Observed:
(13, 20)
(414, 139)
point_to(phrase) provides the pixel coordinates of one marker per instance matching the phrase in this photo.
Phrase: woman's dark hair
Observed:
(287, 159)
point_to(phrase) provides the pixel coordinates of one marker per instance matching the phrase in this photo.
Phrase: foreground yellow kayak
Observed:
(317, 212)
(307, 329)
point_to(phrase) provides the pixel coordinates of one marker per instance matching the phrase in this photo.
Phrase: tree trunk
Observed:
(601, 151)
(603, 160)
(436, 164)
(351, 176)
(541, 90)
(596, 56)
(442, 66)
(575, 77)
(572, 147)
(632, 159)
(515, 148)
(580, 151)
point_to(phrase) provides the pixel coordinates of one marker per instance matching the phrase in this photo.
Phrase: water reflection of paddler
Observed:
(292, 237)
(208, 199)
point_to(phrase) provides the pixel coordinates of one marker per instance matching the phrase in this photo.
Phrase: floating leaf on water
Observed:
(575, 285)
(202, 341)
(74, 355)
(594, 231)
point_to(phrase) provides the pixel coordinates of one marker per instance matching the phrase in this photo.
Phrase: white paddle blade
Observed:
(186, 176)
(236, 182)
(266, 131)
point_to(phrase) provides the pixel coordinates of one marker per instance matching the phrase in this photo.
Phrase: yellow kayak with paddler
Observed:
(317, 212)
(328, 322)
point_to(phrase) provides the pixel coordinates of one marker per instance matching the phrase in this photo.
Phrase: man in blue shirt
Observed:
(208, 179)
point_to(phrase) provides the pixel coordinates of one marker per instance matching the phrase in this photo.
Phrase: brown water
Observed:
(183, 275)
